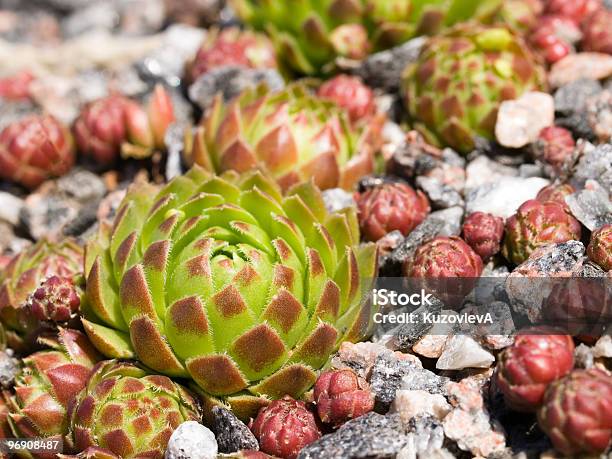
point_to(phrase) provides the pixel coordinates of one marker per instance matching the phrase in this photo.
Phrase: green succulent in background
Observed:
(311, 34)
(454, 90)
(224, 280)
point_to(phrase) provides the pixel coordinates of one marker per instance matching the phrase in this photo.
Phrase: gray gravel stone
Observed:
(337, 199)
(595, 164)
(384, 69)
(369, 436)
(9, 368)
(440, 195)
(232, 434)
(231, 81)
(591, 206)
(573, 97)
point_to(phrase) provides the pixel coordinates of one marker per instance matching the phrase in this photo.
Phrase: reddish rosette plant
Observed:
(556, 193)
(577, 413)
(554, 37)
(341, 395)
(528, 366)
(600, 247)
(101, 129)
(284, 427)
(232, 47)
(35, 149)
(390, 207)
(117, 125)
(536, 224)
(483, 232)
(47, 384)
(56, 300)
(446, 266)
(597, 32)
(352, 94)
(555, 145)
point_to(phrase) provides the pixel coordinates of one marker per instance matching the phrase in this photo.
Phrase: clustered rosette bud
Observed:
(47, 384)
(35, 149)
(555, 145)
(117, 125)
(447, 266)
(577, 413)
(554, 37)
(600, 247)
(341, 395)
(597, 32)
(284, 427)
(536, 224)
(126, 412)
(528, 366)
(556, 193)
(390, 207)
(483, 232)
(232, 47)
(352, 94)
(56, 300)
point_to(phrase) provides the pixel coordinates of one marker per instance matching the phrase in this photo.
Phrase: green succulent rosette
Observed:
(454, 90)
(223, 280)
(311, 34)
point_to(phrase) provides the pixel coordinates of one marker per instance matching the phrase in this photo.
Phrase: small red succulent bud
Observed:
(597, 32)
(536, 224)
(35, 149)
(528, 366)
(390, 207)
(350, 93)
(341, 395)
(600, 247)
(554, 146)
(448, 267)
(576, 10)
(284, 427)
(146, 128)
(100, 130)
(232, 47)
(56, 300)
(483, 232)
(577, 413)
(556, 193)
(554, 36)
(16, 87)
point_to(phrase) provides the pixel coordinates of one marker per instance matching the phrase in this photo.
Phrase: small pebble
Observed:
(520, 121)
(191, 440)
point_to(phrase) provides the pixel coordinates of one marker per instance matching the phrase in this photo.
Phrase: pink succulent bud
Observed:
(536, 224)
(341, 395)
(597, 32)
(350, 41)
(351, 94)
(576, 10)
(284, 427)
(17, 86)
(556, 193)
(554, 36)
(35, 149)
(100, 130)
(600, 247)
(56, 300)
(528, 366)
(146, 129)
(447, 266)
(555, 145)
(577, 413)
(483, 232)
(232, 47)
(390, 207)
